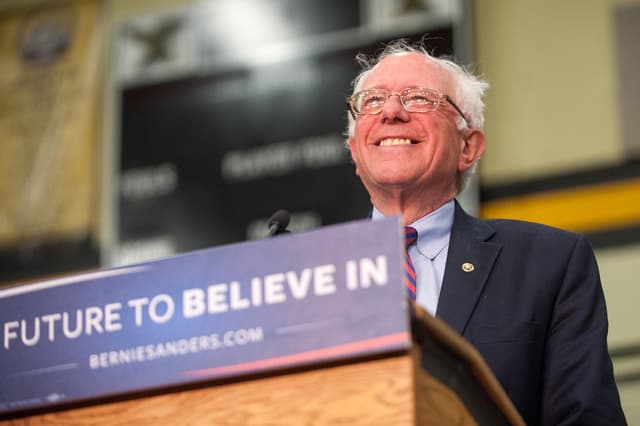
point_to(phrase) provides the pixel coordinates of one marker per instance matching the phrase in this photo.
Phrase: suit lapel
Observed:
(461, 287)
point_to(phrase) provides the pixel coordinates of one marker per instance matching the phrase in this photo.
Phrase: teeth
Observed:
(389, 142)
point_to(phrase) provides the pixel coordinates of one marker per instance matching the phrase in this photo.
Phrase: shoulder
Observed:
(517, 236)
(519, 227)
(510, 230)
(530, 234)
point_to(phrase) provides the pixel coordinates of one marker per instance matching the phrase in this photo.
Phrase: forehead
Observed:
(399, 71)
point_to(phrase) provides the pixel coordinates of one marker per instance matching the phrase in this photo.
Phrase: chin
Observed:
(394, 182)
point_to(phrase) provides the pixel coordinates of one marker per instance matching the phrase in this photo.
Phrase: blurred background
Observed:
(136, 130)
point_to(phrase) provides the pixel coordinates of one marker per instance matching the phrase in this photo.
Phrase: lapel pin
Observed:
(468, 267)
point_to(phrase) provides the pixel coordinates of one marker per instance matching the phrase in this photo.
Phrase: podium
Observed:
(402, 367)
(455, 388)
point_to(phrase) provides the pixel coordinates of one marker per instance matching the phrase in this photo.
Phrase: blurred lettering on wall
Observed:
(231, 110)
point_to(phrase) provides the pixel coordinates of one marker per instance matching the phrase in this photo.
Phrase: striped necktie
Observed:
(411, 236)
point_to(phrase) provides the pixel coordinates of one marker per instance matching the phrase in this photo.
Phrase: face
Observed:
(400, 150)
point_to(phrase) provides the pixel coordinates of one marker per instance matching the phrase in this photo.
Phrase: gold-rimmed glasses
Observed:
(413, 99)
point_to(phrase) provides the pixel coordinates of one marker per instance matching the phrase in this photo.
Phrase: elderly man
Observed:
(527, 296)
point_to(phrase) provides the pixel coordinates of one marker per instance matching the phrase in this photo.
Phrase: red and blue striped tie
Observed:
(411, 236)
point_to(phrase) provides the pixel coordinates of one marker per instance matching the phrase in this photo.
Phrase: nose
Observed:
(393, 111)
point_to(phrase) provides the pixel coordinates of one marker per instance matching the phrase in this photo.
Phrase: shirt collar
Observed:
(433, 229)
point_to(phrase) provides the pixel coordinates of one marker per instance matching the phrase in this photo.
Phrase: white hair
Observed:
(469, 89)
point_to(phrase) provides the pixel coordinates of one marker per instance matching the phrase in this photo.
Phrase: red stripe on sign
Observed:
(305, 357)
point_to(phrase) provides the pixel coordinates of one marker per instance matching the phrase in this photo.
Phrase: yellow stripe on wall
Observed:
(582, 209)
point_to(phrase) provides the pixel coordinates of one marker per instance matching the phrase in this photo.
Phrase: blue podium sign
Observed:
(293, 300)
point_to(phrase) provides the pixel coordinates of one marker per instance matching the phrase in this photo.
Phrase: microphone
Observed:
(278, 222)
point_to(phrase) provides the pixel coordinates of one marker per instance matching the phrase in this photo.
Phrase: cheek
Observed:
(444, 158)
(355, 147)
(446, 152)
(363, 125)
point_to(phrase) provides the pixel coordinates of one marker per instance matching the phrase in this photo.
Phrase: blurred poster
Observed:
(250, 119)
(49, 90)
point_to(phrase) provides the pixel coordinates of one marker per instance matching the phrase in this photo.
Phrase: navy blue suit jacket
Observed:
(534, 308)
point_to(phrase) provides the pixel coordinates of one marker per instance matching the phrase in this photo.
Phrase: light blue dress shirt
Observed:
(429, 254)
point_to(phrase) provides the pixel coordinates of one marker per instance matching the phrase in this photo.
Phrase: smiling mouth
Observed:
(395, 141)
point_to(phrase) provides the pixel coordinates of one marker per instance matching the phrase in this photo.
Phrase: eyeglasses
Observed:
(413, 99)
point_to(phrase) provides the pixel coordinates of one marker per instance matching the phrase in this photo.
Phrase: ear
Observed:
(473, 144)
